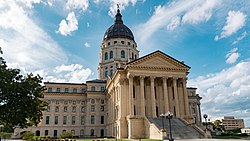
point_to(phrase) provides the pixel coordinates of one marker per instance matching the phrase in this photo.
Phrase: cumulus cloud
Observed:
(232, 56)
(225, 92)
(87, 44)
(201, 12)
(243, 35)
(26, 44)
(77, 5)
(69, 25)
(234, 21)
(73, 73)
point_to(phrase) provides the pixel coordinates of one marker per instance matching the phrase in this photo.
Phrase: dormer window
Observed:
(115, 42)
(122, 42)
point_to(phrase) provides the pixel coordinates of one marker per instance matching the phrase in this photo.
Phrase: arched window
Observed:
(106, 56)
(132, 56)
(135, 56)
(122, 54)
(111, 55)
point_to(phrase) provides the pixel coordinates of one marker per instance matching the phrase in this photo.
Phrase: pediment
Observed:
(160, 60)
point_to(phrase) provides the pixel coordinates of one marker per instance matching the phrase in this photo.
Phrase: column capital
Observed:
(164, 77)
(152, 78)
(130, 76)
(175, 78)
(142, 76)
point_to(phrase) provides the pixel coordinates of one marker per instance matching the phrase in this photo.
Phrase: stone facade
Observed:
(129, 90)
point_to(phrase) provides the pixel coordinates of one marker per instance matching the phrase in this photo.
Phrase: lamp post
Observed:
(205, 116)
(169, 117)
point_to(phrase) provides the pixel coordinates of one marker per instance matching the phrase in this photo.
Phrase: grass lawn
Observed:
(116, 140)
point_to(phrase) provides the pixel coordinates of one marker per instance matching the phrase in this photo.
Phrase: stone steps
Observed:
(180, 130)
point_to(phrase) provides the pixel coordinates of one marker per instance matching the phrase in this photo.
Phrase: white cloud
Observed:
(201, 12)
(175, 22)
(28, 3)
(77, 5)
(122, 4)
(74, 73)
(234, 21)
(69, 25)
(232, 56)
(88, 25)
(243, 35)
(87, 44)
(225, 92)
(26, 44)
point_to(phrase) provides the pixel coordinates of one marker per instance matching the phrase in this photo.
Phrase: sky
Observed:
(60, 41)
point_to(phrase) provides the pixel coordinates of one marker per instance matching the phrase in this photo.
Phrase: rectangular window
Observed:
(66, 90)
(74, 109)
(65, 108)
(55, 133)
(49, 90)
(93, 88)
(58, 90)
(82, 120)
(46, 132)
(73, 120)
(92, 108)
(74, 90)
(102, 101)
(56, 120)
(102, 88)
(122, 42)
(83, 90)
(57, 101)
(92, 119)
(57, 109)
(102, 119)
(47, 119)
(64, 120)
(106, 73)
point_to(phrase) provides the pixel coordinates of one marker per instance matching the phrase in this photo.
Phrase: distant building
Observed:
(230, 123)
(246, 130)
(128, 97)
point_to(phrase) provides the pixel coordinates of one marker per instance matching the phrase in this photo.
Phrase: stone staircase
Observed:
(180, 129)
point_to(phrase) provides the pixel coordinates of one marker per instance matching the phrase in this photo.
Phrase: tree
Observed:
(21, 103)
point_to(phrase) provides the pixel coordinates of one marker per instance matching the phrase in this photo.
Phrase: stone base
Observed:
(188, 118)
(135, 127)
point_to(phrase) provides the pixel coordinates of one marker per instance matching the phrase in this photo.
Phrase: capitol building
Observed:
(127, 99)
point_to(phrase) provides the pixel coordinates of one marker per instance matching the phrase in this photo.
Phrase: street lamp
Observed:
(205, 116)
(169, 117)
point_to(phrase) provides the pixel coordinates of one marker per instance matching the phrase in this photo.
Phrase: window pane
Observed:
(47, 119)
(106, 56)
(92, 119)
(65, 109)
(56, 119)
(64, 120)
(73, 120)
(82, 120)
(58, 90)
(49, 90)
(74, 109)
(111, 55)
(92, 108)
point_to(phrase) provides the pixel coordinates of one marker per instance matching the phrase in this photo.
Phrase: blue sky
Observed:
(61, 41)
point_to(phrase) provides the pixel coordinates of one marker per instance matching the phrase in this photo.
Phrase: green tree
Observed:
(21, 96)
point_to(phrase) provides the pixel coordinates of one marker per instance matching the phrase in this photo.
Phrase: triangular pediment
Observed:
(160, 60)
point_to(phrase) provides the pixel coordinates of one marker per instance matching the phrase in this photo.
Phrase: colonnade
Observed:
(140, 104)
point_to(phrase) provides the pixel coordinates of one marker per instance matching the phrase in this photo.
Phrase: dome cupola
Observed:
(118, 29)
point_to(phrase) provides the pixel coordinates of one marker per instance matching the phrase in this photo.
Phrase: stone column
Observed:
(199, 115)
(153, 96)
(130, 97)
(142, 95)
(176, 97)
(185, 96)
(165, 93)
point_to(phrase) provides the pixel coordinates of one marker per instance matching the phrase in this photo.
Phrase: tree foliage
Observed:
(21, 96)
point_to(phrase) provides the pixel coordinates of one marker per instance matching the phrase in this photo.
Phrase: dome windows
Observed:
(122, 42)
(115, 42)
(122, 54)
(106, 56)
(111, 55)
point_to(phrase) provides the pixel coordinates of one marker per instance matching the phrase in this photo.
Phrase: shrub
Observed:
(66, 135)
(5, 135)
(27, 135)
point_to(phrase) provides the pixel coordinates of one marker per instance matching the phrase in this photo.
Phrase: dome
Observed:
(118, 29)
